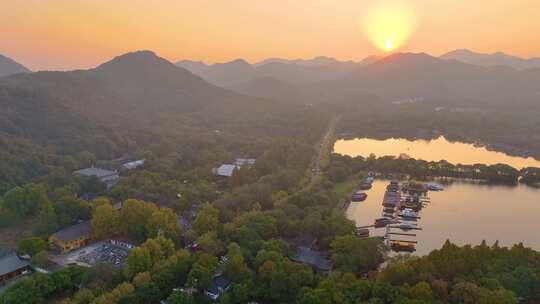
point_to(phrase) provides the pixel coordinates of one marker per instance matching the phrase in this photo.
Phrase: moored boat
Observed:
(359, 196)
(434, 187)
(364, 186)
(382, 222)
(362, 232)
(402, 246)
(407, 226)
(408, 213)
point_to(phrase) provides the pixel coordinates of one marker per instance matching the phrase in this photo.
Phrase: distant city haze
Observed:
(64, 35)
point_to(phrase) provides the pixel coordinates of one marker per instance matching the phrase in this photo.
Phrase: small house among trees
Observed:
(11, 266)
(73, 237)
(218, 287)
(227, 170)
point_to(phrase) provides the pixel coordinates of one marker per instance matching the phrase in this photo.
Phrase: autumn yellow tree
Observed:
(105, 221)
(134, 216)
(207, 220)
(163, 222)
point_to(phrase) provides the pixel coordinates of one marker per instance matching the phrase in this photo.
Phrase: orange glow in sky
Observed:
(66, 34)
(389, 24)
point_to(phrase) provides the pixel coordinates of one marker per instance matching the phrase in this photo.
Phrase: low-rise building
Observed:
(73, 237)
(225, 170)
(244, 162)
(133, 164)
(109, 178)
(11, 266)
(219, 286)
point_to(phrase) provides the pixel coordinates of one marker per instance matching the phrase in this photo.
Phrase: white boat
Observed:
(406, 226)
(408, 213)
(434, 187)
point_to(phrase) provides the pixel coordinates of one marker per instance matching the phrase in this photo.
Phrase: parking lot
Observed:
(106, 253)
(100, 252)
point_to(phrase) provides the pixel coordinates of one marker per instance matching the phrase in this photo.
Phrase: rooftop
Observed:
(244, 161)
(10, 263)
(133, 164)
(225, 170)
(98, 172)
(74, 232)
(219, 284)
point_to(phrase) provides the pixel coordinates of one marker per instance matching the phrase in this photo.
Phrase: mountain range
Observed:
(135, 91)
(398, 78)
(424, 78)
(124, 98)
(297, 72)
(9, 66)
(491, 60)
(242, 76)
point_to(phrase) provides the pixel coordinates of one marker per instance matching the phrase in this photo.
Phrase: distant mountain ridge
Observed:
(132, 91)
(9, 66)
(405, 76)
(491, 60)
(394, 78)
(295, 72)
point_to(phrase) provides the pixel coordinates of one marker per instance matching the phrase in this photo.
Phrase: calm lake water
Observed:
(464, 213)
(432, 150)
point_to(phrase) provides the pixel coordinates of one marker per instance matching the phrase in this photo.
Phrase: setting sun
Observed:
(388, 45)
(389, 24)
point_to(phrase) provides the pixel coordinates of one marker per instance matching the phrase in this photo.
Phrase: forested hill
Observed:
(133, 102)
(133, 90)
(138, 83)
(9, 66)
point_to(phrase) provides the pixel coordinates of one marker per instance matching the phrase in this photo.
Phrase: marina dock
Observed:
(400, 215)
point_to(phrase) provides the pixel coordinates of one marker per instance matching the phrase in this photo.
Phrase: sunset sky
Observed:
(67, 34)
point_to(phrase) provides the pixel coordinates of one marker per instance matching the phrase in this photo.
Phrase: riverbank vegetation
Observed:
(343, 166)
(513, 131)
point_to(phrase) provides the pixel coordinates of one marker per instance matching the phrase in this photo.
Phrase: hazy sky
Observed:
(67, 34)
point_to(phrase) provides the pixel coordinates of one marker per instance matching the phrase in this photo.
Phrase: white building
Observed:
(133, 164)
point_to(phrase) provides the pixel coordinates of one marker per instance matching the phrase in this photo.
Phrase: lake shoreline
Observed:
(466, 212)
(492, 147)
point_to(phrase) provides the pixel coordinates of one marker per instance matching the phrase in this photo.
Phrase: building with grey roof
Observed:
(218, 286)
(110, 178)
(226, 170)
(12, 266)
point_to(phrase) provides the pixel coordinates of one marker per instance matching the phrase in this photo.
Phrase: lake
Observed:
(464, 213)
(431, 150)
